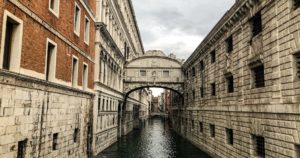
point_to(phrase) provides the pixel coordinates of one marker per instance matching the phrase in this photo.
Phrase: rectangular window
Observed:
(194, 95)
(74, 72)
(55, 141)
(229, 43)
(259, 76)
(297, 64)
(85, 77)
(54, 7)
(77, 15)
(229, 134)
(256, 24)
(194, 71)
(99, 105)
(193, 126)
(202, 92)
(11, 43)
(202, 67)
(259, 145)
(213, 89)
(297, 151)
(296, 4)
(201, 127)
(143, 73)
(212, 130)
(230, 84)
(50, 60)
(22, 148)
(76, 135)
(213, 56)
(87, 30)
(166, 73)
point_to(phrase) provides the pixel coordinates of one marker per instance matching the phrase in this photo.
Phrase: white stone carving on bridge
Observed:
(154, 69)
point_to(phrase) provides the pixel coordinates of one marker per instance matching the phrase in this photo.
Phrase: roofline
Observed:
(136, 24)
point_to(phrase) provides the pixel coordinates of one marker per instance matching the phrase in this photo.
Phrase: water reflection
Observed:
(154, 140)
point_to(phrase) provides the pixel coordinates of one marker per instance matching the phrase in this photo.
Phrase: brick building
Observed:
(241, 93)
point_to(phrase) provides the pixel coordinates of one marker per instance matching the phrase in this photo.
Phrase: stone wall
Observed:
(33, 110)
(268, 112)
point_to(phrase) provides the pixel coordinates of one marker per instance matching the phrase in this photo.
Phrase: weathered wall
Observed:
(34, 110)
(271, 111)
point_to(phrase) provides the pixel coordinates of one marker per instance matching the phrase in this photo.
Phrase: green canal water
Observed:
(155, 139)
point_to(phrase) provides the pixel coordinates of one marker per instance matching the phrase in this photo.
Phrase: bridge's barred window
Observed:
(194, 71)
(54, 6)
(297, 151)
(229, 44)
(213, 89)
(143, 73)
(296, 4)
(213, 56)
(212, 130)
(230, 83)
(229, 134)
(55, 141)
(259, 145)
(166, 73)
(256, 24)
(201, 127)
(76, 135)
(259, 76)
(22, 148)
(202, 92)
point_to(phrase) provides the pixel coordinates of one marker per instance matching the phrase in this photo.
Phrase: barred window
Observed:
(229, 43)
(230, 86)
(202, 92)
(76, 135)
(213, 56)
(202, 66)
(213, 89)
(194, 71)
(296, 4)
(259, 145)
(193, 126)
(297, 151)
(297, 63)
(259, 76)
(212, 130)
(166, 73)
(142, 72)
(55, 141)
(22, 148)
(229, 134)
(194, 95)
(256, 24)
(201, 127)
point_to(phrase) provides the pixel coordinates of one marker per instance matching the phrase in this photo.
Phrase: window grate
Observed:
(55, 141)
(230, 84)
(213, 56)
(143, 72)
(212, 130)
(260, 146)
(256, 24)
(259, 76)
(296, 4)
(213, 89)
(22, 148)
(229, 42)
(76, 135)
(229, 133)
(201, 127)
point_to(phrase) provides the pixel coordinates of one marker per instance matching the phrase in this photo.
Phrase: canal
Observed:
(155, 139)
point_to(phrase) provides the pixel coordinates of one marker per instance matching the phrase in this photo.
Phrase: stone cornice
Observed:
(233, 16)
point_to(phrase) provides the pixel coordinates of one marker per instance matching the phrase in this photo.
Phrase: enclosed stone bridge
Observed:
(154, 69)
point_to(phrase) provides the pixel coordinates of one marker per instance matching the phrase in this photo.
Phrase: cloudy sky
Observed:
(177, 26)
